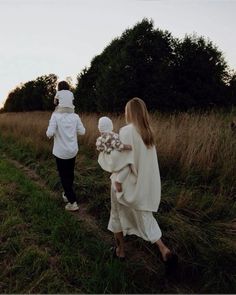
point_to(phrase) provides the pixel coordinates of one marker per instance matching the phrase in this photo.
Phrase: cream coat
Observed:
(142, 187)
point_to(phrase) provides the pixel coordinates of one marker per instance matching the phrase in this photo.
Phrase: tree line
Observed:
(33, 95)
(169, 74)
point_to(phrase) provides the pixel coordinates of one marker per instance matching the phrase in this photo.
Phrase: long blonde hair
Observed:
(137, 114)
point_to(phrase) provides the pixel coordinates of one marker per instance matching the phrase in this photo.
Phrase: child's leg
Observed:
(120, 178)
(60, 109)
(122, 174)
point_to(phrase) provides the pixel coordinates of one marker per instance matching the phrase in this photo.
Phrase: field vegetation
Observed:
(197, 158)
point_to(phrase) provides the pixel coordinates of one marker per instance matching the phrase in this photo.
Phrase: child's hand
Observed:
(127, 147)
(118, 186)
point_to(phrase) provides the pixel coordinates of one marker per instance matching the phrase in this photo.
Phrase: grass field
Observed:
(47, 250)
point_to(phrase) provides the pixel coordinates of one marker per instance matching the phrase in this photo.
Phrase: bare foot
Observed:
(118, 186)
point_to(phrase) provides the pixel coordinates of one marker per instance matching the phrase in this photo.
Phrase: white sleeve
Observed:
(51, 127)
(72, 96)
(80, 127)
(122, 174)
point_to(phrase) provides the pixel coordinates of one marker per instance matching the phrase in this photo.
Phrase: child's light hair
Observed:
(137, 114)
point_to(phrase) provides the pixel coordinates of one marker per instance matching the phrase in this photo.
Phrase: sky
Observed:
(39, 37)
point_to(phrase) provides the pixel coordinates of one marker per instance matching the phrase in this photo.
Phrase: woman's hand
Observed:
(127, 147)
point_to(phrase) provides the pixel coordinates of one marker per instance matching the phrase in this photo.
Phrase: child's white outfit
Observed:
(109, 141)
(65, 101)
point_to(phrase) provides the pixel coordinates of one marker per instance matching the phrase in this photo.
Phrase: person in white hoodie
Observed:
(64, 128)
(132, 208)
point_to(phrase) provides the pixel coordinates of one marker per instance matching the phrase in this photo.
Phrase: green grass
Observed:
(47, 250)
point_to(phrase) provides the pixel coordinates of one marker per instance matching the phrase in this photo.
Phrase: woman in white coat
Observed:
(132, 207)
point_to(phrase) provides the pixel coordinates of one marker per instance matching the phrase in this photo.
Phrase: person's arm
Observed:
(51, 127)
(126, 137)
(125, 147)
(118, 145)
(120, 178)
(56, 100)
(80, 127)
(122, 174)
(72, 96)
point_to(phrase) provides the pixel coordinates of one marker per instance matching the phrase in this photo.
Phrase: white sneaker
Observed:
(72, 207)
(64, 198)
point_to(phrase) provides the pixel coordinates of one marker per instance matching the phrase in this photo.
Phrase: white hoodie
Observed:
(65, 127)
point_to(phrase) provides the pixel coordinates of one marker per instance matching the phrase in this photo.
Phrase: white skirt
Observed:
(132, 222)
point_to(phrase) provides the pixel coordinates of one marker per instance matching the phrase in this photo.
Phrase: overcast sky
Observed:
(39, 37)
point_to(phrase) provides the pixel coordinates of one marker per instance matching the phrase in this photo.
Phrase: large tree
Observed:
(200, 75)
(136, 64)
(168, 73)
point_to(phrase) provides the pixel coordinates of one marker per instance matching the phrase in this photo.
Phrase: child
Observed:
(64, 98)
(109, 141)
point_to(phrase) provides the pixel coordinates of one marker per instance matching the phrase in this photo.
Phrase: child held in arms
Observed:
(64, 98)
(107, 142)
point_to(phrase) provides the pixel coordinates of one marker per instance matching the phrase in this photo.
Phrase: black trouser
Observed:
(66, 173)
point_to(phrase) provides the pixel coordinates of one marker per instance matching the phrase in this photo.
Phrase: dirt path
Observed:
(81, 215)
(142, 253)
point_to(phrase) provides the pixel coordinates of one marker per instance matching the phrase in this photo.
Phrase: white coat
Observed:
(142, 187)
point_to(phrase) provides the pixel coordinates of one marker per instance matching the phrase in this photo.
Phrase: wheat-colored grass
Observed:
(196, 222)
(191, 141)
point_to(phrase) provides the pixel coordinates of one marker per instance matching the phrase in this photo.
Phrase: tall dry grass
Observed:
(203, 142)
(196, 221)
